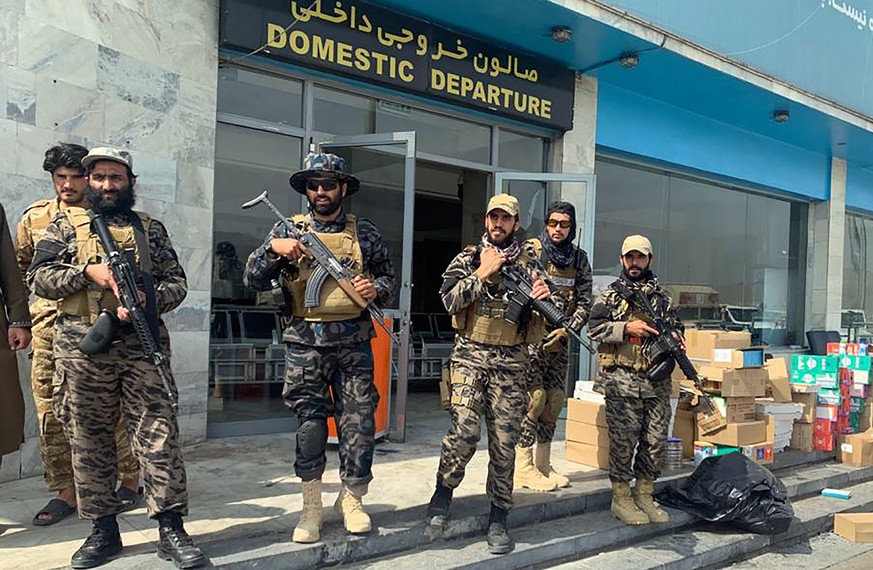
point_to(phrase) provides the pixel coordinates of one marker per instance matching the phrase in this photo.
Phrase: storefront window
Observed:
(520, 152)
(246, 357)
(728, 258)
(260, 96)
(436, 134)
(342, 113)
(857, 277)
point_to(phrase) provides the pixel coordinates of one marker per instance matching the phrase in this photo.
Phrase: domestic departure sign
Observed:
(365, 41)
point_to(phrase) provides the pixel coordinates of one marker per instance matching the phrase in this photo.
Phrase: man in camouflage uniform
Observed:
(64, 163)
(637, 407)
(91, 390)
(570, 273)
(328, 357)
(489, 365)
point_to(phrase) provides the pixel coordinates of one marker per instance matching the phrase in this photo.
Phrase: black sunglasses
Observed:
(563, 223)
(328, 184)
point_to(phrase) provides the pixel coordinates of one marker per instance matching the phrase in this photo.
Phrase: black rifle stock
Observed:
(128, 296)
(327, 265)
(668, 342)
(520, 285)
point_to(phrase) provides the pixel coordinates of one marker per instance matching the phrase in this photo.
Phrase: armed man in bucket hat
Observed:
(328, 358)
(637, 406)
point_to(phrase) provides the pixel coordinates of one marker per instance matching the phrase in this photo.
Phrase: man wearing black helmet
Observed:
(328, 359)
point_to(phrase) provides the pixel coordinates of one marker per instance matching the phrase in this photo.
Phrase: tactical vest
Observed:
(482, 321)
(563, 278)
(88, 303)
(334, 304)
(628, 354)
(40, 215)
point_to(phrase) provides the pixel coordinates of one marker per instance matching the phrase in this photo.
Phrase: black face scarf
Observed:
(561, 254)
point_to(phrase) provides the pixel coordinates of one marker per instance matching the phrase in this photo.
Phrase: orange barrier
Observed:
(381, 346)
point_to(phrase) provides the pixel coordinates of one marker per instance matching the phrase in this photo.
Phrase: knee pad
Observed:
(537, 403)
(312, 437)
(554, 404)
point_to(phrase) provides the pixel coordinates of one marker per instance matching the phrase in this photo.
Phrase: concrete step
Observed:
(547, 541)
(718, 546)
(820, 552)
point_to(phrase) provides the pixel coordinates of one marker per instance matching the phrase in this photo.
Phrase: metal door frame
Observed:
(585, 365)
(406, 139)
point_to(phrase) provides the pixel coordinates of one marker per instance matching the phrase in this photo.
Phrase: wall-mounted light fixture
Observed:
(629, 60)
(781, 115)
(561, 34)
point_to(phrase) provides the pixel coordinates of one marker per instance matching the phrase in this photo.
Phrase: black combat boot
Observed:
(498, 537)
(175, 544)
(438, 510)
(103, 544)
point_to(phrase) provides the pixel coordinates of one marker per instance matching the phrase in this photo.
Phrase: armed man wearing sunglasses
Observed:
(568, 270)
(328, 359)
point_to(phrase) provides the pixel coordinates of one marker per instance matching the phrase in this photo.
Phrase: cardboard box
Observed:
(738, 357)
(809, 401)
(738, 435)
(737, 410)
(759, 452)
(586, 412)
(779, 386)
(709, 420)
(702, 344)
(587, 433)
(801, 436)
(809, 369)
(858, 449)
(592, 455)
(828, 413)
(804, 388)
(685, 428)
(742, 382)
(829, 397)
(704, 449)
(854, 362)
(857, 527)
(848, 347)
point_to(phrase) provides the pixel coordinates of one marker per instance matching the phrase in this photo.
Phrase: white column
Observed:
(824, 283)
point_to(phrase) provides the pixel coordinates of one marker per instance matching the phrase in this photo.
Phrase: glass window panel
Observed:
(520, 152)
(341, 113)
(260, 96)
(857, 277)
(435, 133)
(727, 257)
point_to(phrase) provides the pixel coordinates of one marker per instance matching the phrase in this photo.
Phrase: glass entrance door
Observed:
(385, 165)
(534, 191)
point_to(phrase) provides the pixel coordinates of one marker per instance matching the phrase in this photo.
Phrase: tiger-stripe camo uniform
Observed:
(53, 445)
(637, 408)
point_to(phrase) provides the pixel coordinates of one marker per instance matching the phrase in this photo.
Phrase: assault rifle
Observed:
(669, 349)
(146, 326)
(327, 265)
(519, 284)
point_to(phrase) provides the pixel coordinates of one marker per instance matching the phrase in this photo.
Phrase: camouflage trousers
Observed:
(334, 381)
(546, 380)
(89, 395)
(54, 448)
(490, 381)
(636, 424)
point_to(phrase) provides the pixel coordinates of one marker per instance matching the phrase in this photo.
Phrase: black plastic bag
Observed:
(732, 488)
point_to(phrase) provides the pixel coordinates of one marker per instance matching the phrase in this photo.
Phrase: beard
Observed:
(123, 202)
(641, 276)
(503, 241)
(325, 209)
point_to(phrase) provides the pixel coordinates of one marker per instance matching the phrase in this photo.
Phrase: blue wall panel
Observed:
(859, 188)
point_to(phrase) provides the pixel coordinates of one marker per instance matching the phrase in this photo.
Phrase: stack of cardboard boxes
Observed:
(587, 433)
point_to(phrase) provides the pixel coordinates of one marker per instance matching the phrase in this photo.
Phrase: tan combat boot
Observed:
(354, 517)
(543, 463)
(308, 529)
(623, 506)
(643, 499)
(526, 475)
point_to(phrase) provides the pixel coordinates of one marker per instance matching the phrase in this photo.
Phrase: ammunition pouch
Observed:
(101, 334)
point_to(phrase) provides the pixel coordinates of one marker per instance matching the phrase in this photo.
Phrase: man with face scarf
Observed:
(328, 358)
(637, 407)
(90, 391)
(569, 271)
(489, 365)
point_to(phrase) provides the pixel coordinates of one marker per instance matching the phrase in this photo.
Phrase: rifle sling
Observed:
(145, 261)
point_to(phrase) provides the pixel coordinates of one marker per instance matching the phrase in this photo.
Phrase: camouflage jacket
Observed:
(461, 286)
(609, 315)
(260, 270)
(56, 271)
(581, 291)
